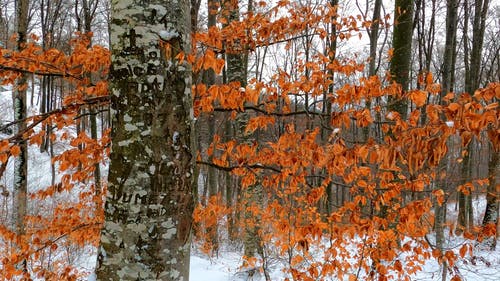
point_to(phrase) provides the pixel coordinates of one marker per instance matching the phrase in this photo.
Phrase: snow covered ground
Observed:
(484, 267)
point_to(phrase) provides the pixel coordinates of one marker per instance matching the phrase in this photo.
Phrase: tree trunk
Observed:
(401, 44)
(463, 222)
(491, 212)
(88, 17)
(21, 161)
(236, 72)
(209, 80)
(374, 30)
(478, 26)
(450, 46)
(148, 210)
(231, 193)
(327, 104)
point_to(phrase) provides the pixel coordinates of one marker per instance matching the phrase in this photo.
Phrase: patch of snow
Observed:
(92, 277)
(167, 35)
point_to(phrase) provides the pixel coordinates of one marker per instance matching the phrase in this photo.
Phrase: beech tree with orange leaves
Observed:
(394, 177)
(57, 226)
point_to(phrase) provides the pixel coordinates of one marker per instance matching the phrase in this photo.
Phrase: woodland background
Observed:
(361, 130)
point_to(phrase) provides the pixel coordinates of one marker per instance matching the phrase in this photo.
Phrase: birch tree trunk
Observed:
(148, 210)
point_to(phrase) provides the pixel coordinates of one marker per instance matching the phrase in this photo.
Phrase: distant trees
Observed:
(41, 230)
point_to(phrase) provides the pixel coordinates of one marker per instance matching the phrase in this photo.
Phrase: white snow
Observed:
(227, 268)
(220, 269)
(167, 35)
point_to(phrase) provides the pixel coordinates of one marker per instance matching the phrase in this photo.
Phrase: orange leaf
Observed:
(398, 266)
(453, 107)
(449, 97)
(439, 196)
(428, 78)
(180, 57)
(390, 52)
(15, 150)
(418, 97)
(3, 157)
(463, 250)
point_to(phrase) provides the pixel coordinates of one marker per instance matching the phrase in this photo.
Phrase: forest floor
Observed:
(484, 265)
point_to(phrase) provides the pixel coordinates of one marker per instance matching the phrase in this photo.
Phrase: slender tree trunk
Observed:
(21, 162)
(209, 80)
(231, 193)
(463, 222)
(401, 44)
(236, 72)
(88, 17)
(213, 189)
(491, 212)
(374, 31)
(478, 26)
(148, 210)
(450, 46)
(327, 104)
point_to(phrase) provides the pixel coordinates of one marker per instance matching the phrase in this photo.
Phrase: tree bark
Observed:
(491, 212)
(450, 46)
(478, 26)
(374, 31)
(236, 72)
(20, 113)
(401, 44)
(212, 174)
(463, 222)
(148, 210)
(327, 104)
